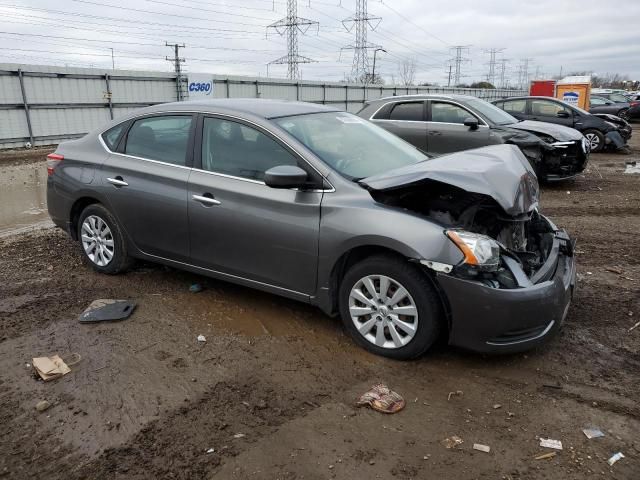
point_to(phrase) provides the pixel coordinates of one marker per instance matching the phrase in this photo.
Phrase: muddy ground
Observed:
(272, 390)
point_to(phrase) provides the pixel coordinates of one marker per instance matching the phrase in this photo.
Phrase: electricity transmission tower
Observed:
(291, 25)
(458, 60)
(523, 73)
(362, 22)
(491, 76)
(177, 65)
(503, 70)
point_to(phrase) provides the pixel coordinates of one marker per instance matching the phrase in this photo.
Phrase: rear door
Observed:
(515, 107)
(406, 120)
(446, 132)
(237, 224)
(544, 110)
(145, 183)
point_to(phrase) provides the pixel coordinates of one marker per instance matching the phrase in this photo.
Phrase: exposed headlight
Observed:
(479, 250)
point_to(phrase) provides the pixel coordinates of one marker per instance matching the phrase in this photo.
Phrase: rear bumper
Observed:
(491, 320)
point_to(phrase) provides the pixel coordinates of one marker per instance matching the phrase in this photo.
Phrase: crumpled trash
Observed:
(452, 442)
(202, 338)
(482, 448)
(614, 458)
(592, 433)
(106, 309)
(50, 368)
(195, 288)
(549, 443)
(382, 399)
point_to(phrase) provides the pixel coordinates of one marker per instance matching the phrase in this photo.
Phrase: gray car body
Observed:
(439, 138)
(290, 242)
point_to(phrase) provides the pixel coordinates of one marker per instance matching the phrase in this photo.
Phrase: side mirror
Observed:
(562, 114)
(285, 176)
(472, 123)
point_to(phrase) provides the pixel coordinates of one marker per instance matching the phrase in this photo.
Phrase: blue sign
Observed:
(203, 87)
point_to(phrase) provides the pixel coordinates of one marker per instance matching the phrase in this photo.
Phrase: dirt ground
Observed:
(272, 390)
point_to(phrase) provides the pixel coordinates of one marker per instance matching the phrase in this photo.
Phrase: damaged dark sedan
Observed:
(320, 206)
(440, 124)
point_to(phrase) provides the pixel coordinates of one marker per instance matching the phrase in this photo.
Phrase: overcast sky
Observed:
(230, 37)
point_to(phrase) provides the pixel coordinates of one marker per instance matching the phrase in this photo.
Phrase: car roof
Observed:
(426, 96)
(260, 107)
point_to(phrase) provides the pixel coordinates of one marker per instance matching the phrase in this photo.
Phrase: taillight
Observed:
(634, 104)
(53, 160)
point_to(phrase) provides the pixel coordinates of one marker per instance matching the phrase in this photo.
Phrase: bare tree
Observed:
(407, 72)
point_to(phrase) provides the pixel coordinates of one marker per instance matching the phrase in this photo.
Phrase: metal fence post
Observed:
(257, 89)
(26, 106)
(106, 80)
(298, 91)
(346, 98)
(324, 93)
(226, 81)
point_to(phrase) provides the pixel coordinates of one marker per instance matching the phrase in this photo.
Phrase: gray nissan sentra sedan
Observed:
(321, 206)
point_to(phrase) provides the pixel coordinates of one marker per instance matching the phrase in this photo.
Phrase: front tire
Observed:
(390, 307)
(595, 139)
(101, 241)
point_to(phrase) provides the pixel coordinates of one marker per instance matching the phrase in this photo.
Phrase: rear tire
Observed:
(387, 322)
(624, 114)
(101, 241)
(595, 139)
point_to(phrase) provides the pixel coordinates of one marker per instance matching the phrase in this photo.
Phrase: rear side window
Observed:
(515, 106)
(411, 111)
(162, 138)
(546, 108)
(112, 136)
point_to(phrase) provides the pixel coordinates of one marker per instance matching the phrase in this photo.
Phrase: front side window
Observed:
(546, 108)
(515, 106)
(162, 138)
(409, 111)
(597, 101)
(235, 149)
(443, 112)
(353, 147)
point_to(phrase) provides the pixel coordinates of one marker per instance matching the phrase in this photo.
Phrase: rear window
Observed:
(515, 106)
(411, 111)
(162, 138)
(112, 136)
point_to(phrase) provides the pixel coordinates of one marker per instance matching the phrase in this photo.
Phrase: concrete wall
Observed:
(44, 105)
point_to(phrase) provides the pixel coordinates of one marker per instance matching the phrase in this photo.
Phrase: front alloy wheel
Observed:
(383, 311)
(390, 306)
(595, 139)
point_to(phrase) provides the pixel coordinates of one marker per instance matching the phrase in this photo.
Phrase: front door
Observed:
(446, 132)
(237, 224)
(145, 184)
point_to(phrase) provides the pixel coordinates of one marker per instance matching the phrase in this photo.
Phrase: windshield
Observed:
(354, 147)
(616, 97)
(491, 112)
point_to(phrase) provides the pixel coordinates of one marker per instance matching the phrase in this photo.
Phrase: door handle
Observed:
(434, 133)
(206, 199)
(118, 182)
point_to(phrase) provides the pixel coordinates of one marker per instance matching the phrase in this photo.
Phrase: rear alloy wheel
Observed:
(390, 307)
(624, 114)
(102, 242)
(595, 139)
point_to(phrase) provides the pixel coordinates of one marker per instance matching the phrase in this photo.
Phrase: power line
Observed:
(291, 25)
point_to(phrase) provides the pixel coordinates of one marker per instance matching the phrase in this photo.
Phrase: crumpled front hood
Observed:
(501, 172)
(559, 132)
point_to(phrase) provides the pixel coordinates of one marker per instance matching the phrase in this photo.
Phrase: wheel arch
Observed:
(76, 210)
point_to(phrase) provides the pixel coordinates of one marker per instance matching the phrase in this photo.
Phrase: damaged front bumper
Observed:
(565, 160)
(496, 320)
(616, 139)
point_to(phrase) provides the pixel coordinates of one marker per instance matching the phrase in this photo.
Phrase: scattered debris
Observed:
(239, 435)
(617, 270)
(551, 385)
(589, 273)
(195, 288)
(50, 368)
(549, 443)
(42, 405)
(614, 458)
(634, 327)
(202, 338)
(632, 167)
(482, 448)
(592, 433)
(451, 394)
(382, 399)
(104, 309)
(497, 406)
(546, 455)
(210, 450)
(452, 442)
